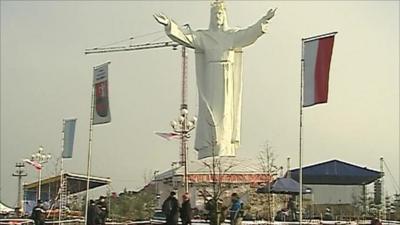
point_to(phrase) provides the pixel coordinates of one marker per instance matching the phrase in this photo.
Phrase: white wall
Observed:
(335, 194)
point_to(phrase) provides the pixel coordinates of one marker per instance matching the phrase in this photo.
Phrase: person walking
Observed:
(291, 206)
(235, 210)
(170, 208)
(186, 210)
(93, 213)
(38, 213)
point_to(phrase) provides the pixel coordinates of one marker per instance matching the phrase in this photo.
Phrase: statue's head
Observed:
(218, 19)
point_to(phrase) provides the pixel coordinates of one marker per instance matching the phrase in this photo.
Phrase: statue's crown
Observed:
(218, 4)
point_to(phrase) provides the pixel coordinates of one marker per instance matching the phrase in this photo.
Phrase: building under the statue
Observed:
(235, 175)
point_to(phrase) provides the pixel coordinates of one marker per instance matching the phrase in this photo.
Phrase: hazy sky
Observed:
(46, 77)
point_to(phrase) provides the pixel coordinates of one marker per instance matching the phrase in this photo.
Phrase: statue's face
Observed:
(220, 16)
(218, 19)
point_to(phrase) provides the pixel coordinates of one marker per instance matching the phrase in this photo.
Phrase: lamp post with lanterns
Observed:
(41, 158)
(183, 126)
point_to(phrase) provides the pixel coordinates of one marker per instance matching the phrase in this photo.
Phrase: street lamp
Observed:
(156, 183)
(183, 126)
(157, 195)
(40, 157)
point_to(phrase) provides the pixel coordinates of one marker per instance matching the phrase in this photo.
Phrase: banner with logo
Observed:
(101, 111)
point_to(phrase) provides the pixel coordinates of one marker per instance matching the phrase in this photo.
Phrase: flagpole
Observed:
(61, 174)
(89, 152)
(301, 136)
(325, 63)
(88, 169)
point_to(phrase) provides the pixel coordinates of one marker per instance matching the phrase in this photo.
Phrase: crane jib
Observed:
(132, 47)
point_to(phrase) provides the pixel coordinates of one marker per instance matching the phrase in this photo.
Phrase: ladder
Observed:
(63, 198)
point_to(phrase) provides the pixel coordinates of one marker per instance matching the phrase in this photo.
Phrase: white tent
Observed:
(5, 209)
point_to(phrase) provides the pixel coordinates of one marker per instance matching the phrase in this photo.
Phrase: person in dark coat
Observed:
(186, 210)
(170, 208)
(93, 213)
(38, 213)
(103, 210)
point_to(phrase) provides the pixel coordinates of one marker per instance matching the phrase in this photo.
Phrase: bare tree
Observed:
(218, 168)
(267, 163)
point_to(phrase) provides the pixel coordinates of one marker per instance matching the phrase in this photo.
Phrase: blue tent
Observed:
(335, 172)
(284, 185)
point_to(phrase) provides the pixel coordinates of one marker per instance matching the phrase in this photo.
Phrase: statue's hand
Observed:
(264, 20)
(270, 14)
(162, 19)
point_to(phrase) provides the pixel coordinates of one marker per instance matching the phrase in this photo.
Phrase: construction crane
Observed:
(163, 44)
(183, 125)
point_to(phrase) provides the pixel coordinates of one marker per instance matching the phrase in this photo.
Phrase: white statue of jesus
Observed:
(218, 53)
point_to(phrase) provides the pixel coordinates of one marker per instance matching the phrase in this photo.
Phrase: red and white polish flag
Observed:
(35, 164)
(317, 60)
(169, 136)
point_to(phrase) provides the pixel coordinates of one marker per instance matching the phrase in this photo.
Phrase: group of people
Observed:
(96, 215)
(97, 211)
(173, 211)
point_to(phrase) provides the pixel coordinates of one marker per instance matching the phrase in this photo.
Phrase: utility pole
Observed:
(19, 173)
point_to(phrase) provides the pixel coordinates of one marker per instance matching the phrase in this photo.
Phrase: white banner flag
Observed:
(69, 134)
(101, 112)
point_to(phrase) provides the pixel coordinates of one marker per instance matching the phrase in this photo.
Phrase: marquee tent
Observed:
(284, 185)
(335, 172)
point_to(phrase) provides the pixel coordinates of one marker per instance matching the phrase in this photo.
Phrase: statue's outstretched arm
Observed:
(174, 31)
(249, 35)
